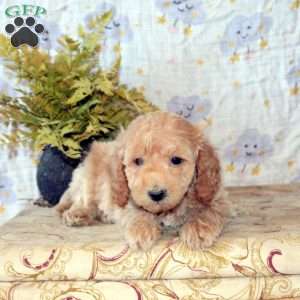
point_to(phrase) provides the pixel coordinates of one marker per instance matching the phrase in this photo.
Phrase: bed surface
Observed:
(259, 252)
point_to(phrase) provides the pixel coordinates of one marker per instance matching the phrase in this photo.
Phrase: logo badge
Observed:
(24, 29)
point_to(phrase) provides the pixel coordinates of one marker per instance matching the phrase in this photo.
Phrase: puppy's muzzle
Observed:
(157, 195)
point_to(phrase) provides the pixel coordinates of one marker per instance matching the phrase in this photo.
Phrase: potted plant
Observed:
(65, 101)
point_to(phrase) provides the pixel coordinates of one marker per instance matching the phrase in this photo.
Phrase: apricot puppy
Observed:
(160, 172)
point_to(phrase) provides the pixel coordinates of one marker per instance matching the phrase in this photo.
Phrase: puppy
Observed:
(159, 173)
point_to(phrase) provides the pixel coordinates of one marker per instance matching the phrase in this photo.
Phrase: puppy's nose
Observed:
(157, 195)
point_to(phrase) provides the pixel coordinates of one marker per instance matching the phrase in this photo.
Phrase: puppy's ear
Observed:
(208, 173)
(120, 190)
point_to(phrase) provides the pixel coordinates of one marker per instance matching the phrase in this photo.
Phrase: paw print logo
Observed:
(242, 31)
(191, 108)
(189, 12)
(24, 32)
(293, 79)
(251, 148)
(118, 29)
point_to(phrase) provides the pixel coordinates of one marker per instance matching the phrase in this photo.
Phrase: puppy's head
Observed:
(162, 158)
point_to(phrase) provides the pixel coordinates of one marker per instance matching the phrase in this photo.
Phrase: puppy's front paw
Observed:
(199, 235)
(142, 234)
(78, 217)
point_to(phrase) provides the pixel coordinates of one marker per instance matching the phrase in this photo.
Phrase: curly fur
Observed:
(108, 186)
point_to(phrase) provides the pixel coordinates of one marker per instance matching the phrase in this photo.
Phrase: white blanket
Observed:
(229, 65)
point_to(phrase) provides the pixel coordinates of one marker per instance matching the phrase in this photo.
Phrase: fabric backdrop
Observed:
(231, 66)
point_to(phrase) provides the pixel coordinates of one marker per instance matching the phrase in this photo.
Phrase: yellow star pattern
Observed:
(230, 168)
(236, 84)
(294, 91)
(263, 44)
(199, 61)
(255, 171)
(140, 71)
(267, 103)
(2, 209)
(291, 163)
(161, 20)
(35, 161)
(117, 48)
(234, 58)
(187, 31)
(209, 121)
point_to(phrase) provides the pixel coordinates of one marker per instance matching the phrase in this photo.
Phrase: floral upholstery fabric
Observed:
(185, 289)
(257, 256)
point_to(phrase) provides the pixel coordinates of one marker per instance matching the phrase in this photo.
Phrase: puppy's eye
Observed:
(138, 161)
(175, 160)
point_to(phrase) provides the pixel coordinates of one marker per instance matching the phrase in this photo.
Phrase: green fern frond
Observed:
(68, 98)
